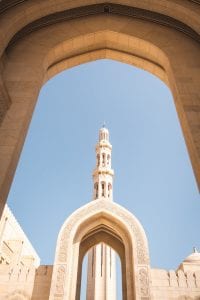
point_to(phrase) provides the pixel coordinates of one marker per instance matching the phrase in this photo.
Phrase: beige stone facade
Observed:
(21, 276)
(18, 259)
(39, 39)
(26, 280)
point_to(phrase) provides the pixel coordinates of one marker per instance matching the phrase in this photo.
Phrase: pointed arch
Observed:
(101, 221)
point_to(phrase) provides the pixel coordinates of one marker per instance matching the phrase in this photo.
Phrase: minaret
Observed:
(101, 279)
(103, 174)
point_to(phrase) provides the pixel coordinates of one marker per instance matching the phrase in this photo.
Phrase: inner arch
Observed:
(102, 234)
(113, 269)
(110, 45)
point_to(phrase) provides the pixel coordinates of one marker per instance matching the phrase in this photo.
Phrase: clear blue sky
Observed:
(153, 174)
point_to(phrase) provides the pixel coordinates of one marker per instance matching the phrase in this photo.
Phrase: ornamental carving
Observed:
(64, 255)
(60, 281)
(144, 282)
(142, 252)
(63, 245)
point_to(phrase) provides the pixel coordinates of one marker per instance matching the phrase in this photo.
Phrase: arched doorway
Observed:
(101, 272)
(96, 222)
(102, 235)
(158, 37)
(104, 273)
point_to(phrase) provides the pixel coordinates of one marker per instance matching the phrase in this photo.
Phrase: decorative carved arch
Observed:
(106, 222)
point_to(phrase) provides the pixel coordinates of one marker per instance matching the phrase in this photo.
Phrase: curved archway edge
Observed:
(81, 222)
(169, 54)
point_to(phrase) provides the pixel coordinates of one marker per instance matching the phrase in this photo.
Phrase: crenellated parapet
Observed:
(25, 283)
(175, 284)
(179, 284)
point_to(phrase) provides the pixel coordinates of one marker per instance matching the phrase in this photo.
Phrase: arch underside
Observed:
(7, 4)
(101, 221)
(102, 234)
(45, 39)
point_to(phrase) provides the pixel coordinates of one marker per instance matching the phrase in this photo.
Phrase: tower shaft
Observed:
(101, 280)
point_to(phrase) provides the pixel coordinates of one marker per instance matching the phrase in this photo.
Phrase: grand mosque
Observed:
(100, 229)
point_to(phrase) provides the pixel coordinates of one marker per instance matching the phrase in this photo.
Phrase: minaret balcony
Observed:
(103, 144)
(103, 171)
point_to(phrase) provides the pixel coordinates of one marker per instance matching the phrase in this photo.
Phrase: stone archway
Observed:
(101, 221)
(44, 38)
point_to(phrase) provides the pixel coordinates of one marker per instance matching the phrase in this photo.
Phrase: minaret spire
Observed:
(101, 280)
(103, 173)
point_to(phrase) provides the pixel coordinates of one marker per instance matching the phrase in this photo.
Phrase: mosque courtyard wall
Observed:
(23, 278)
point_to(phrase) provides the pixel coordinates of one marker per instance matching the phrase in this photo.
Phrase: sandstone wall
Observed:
(16, 282)
(42, 283)
(168, 285)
